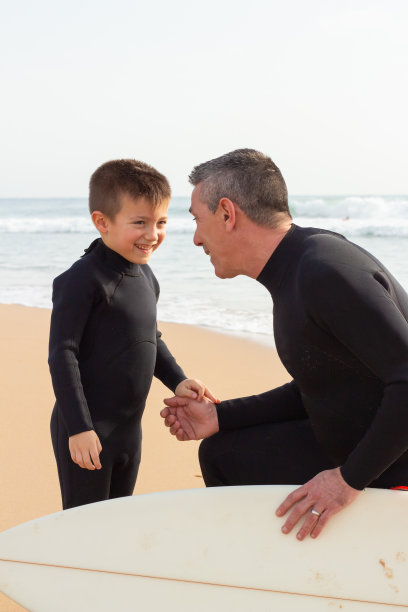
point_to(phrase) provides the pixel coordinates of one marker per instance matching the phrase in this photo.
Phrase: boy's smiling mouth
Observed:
(145, 248)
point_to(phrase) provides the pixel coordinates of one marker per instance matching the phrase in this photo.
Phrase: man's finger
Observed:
(181, 436)
(176, 402)
(309, 524)
(174, 428)
(323, 519)
(170, 420)
(298, 511)
(291, 499)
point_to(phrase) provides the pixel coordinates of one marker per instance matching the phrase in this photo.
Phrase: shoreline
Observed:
(231, 366)
(257, 338)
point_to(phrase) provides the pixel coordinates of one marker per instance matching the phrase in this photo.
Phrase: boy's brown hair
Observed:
(135, 178)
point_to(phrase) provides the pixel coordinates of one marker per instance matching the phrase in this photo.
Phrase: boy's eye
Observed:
(163, 222)
(140, 222)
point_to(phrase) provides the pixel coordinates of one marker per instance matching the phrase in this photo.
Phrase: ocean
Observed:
(40, 238)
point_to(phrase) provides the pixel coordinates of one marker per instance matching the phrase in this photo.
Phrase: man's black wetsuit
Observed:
(104, 351)
(341, 331)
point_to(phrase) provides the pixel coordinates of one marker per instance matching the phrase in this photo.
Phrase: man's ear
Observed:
(227, 210)
(100, 221)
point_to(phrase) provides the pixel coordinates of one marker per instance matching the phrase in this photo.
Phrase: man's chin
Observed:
(224, 273)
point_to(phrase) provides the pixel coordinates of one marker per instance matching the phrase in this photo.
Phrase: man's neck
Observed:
(261, 243)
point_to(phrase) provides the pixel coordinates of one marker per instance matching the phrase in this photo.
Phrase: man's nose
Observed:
(196, 239)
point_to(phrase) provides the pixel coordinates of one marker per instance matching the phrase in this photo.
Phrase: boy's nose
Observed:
(152, 233)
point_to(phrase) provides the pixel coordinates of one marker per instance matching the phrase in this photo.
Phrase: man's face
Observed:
(210, 234)
(137, 230)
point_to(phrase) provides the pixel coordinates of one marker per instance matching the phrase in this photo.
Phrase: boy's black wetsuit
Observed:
(104, 351)
(340, 324)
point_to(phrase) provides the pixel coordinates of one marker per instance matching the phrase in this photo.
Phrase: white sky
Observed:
(319, 85)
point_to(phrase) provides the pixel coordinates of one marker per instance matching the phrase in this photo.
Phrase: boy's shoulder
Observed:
(148, 274)
(85, 271)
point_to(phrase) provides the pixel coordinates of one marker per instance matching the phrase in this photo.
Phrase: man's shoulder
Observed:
(326, 251)
(332, 266)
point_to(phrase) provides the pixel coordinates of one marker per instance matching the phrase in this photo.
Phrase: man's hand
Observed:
(85, 448)
(325, 494)
(190, 419)
(195, 389)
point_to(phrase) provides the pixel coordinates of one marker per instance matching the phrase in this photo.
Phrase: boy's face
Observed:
(137, 230)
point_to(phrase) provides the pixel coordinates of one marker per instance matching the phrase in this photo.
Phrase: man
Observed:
(340, 325)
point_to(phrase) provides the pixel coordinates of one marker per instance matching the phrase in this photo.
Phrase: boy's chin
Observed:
(140, 258)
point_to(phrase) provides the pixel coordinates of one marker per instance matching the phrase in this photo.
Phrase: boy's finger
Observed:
(95, 459)
(210, 395)
(86, 460)
(78, 459)
(191, 394)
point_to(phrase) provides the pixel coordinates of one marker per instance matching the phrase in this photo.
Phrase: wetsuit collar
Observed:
(112, 259)
(277, 265)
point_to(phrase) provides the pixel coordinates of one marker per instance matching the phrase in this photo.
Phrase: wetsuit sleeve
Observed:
(73, 297)
(355, 305)
(281, 404)
(167, 369)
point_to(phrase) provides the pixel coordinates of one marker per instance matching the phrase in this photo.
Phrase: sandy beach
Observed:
(230, 366)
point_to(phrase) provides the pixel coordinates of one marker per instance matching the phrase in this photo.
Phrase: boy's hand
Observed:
(85, 448)
(195, 389)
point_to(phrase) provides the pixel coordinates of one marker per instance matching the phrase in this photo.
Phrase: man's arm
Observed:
(352, 304)
(356, 308)
(193, 420)
(283, 403)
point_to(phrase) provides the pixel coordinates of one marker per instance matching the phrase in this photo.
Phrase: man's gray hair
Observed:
(248, 178)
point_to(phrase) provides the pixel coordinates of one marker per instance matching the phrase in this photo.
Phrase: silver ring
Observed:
(315, 512)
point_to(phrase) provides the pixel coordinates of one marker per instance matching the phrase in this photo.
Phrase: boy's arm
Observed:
(73, 296)
(167, 369)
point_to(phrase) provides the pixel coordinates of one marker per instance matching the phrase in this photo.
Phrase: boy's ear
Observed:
(100, 221)
(226, 208)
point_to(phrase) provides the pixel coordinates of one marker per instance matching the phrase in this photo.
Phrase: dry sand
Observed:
(230, 366)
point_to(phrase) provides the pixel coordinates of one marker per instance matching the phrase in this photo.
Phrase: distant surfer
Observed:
(104, 344)
(341, 331)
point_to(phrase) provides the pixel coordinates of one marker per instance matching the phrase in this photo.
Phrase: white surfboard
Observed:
(208, 549)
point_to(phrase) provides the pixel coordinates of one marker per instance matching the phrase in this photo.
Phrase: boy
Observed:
(104, 343)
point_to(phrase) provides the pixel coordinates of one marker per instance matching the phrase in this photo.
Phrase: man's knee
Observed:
(212, 455)
(206, 451)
